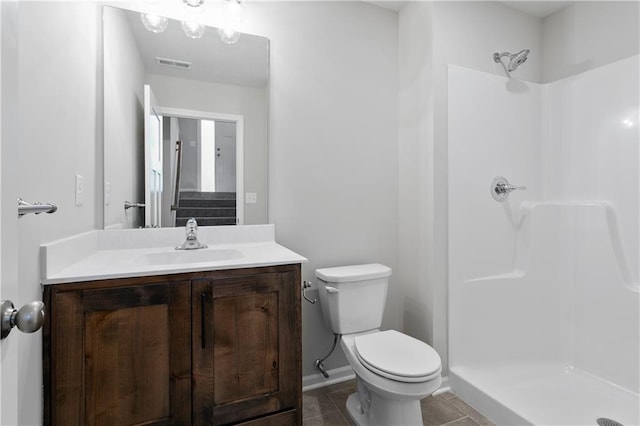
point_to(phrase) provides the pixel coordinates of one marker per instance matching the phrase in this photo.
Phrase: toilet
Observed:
(393, 371)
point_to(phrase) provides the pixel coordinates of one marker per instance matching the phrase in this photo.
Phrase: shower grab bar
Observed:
(25, 207)
(501, 188)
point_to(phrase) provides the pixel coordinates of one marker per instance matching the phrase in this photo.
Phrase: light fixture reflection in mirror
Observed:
(192, 29)
(228, 35)
(232, 16)
(193, 3)
(154, 23)
(191, 25)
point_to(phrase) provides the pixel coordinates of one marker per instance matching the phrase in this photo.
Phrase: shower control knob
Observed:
(28, 319)
(500, 188)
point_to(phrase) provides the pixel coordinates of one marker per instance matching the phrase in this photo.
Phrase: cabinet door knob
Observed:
(28, 319)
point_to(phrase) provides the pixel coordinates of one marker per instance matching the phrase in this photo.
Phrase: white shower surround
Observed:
(544, 317)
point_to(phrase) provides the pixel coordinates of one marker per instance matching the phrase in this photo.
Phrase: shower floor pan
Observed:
(538, 394)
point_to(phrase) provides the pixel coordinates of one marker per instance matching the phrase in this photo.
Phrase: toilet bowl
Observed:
(393, 371)
(384, 400)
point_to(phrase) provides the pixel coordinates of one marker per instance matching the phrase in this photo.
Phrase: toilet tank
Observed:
(353, 297)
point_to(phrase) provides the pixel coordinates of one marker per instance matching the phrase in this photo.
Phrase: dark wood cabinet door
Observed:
(119, 355)
(246, 346)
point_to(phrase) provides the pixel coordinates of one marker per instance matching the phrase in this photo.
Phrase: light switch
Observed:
(251, 197)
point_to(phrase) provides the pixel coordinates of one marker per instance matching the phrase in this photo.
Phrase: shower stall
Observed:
(544, 319)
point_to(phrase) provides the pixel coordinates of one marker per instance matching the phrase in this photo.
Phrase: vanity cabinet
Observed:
(244, 363)
(204, 348)
(117, 353)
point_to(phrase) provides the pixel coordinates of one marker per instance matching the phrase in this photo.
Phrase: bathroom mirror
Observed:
(209, 114)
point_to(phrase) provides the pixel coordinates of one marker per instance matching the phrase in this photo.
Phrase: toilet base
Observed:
(385, 412)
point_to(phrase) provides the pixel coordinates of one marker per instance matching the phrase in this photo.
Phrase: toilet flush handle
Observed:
(331, 289)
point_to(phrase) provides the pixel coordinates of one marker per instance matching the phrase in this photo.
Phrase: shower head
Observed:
(515, 59)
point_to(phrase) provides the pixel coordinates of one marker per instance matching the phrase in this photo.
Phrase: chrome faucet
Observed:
(191, 242)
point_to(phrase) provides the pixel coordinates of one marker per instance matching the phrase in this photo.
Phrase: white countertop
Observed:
(98, 255)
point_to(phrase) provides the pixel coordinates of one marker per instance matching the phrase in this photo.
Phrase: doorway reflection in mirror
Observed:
(204, 171)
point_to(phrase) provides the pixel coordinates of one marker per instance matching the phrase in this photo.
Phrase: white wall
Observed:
(333, 156)
(461, 33)
(124, 78)
(467, 33)
(587, 35)
(415, 180)
(189, 136)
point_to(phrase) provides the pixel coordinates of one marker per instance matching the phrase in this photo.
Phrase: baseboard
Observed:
(337, 375)
(444, 386)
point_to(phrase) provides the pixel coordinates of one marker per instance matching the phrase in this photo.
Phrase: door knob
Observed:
(28, 319)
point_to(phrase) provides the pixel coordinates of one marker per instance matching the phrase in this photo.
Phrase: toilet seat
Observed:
(396, 356)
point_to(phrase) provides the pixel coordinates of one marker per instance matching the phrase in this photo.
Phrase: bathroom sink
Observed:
(189, 256)
(127, 253)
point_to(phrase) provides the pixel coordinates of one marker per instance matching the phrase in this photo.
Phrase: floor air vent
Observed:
(602, 421)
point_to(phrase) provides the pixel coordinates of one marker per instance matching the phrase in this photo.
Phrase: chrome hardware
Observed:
(129, 204)
(25, 207)
(500, 188)
(305, 286)
(203, 320)
(515, 60)
(191, 242)
(28, 319)
(318, 363)
(176, 179)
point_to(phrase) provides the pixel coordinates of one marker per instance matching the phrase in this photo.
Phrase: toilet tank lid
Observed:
(343, 274)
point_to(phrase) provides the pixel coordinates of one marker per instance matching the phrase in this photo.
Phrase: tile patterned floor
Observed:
(326, 407)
